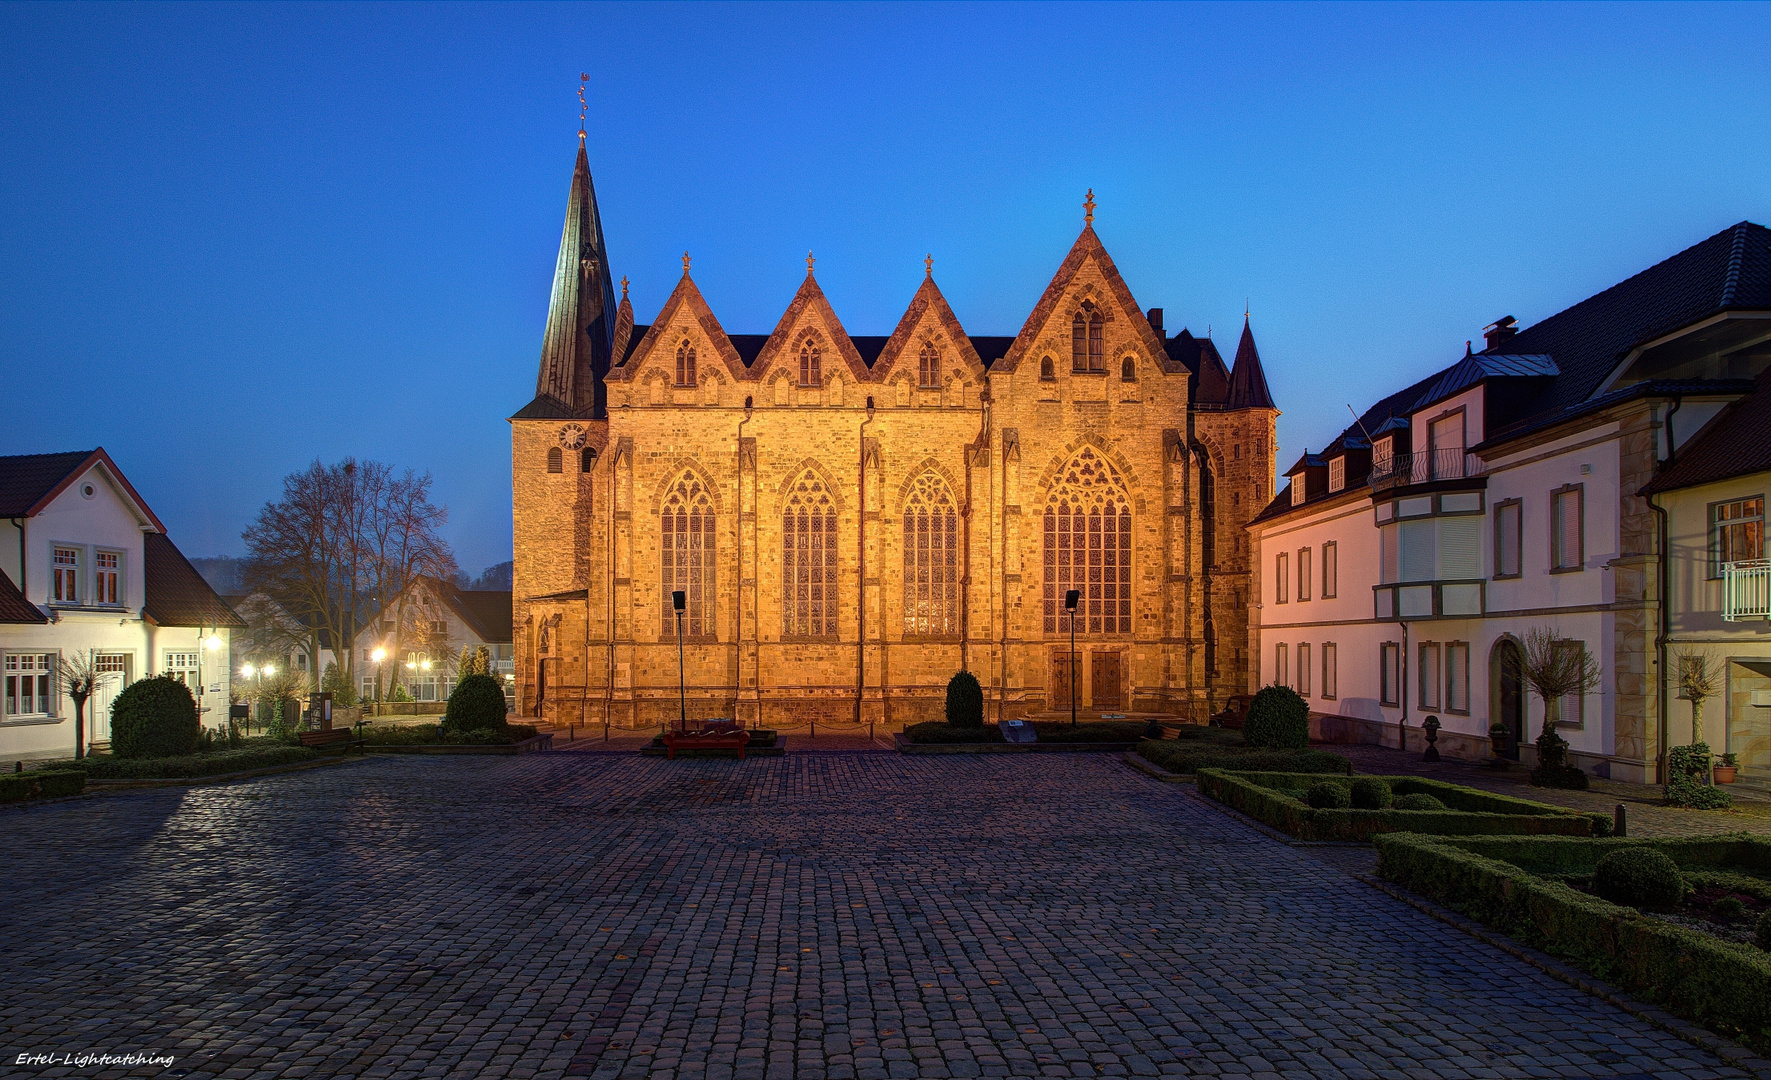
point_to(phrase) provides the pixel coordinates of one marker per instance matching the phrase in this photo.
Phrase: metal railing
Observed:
(1401, 470)
(1746, 590)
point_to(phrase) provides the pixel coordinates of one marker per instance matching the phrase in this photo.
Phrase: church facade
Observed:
(854, 519)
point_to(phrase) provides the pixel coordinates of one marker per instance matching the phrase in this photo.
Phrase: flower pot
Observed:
(1724, 773)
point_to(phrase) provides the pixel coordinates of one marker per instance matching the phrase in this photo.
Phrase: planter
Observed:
(1725, 773)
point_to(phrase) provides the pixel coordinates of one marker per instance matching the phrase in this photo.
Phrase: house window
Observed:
(1446, 436)
(1303, 573)
(1088, 547)
(1279, 658)
(1737, 532)
(928, 367)
(182, 667)
(1426, 676)
(1457, 677)
(811, 357)
(685, 364)
(586, 460)
(30, 685)
(1281, 577)
(1047, 370)
(65, 583)
(808, 560)
(1573, 712)
(1128, 370)
(1329, 689)
(366, 688)
(1567, 532)
(1086, 343)
(106, 567)
(555, 462)
(686, 554)
(1331, 558)
(931, 560)
(1380, 457)
(1337, 473)
(1508, 535)
(1303, 683)
(1297, 490)
(1390, 673)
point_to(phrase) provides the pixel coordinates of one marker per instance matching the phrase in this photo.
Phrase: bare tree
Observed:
(80, 680)
(1555, 669)
(1699, 677)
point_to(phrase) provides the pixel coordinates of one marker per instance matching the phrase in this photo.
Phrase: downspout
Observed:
(1402, 688)
(861, 568)
(738, 577)
(1662, 591)
(965, 576)
(23, 587)
(609, 625)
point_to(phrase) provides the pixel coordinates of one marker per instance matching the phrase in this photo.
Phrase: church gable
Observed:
(685, 330)
(1088, 285)
(929, 349)
(809, 346)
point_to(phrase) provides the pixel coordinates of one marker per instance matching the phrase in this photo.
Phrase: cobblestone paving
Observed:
(811, 916)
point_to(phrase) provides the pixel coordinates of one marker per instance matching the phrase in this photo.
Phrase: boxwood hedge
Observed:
(1720, 984)
(263, 755)
(41, 784)
(1189, 755)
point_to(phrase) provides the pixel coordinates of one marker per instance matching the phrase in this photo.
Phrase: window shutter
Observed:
(1568, 553)
(1460, 547)
(1506, 544)
(1417, 553)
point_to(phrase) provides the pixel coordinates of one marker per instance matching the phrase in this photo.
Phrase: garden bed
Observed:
(1195, 748)
(265, 754)
(764, 742)
(1275, 799)
(1689, 960)
(1051, 736)
(436, 739)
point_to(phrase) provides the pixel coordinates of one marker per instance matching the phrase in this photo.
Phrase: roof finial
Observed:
(928, 265)
(583, 106)
(809, 264)
(685, 264)
(1245, 307)
(623, 286)
(1088, 208)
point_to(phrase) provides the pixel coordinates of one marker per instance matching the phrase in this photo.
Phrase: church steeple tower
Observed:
(579, 344)
(1248, 383)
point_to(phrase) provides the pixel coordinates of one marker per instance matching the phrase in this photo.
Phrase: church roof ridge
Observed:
(1087, 244)
(928, 295)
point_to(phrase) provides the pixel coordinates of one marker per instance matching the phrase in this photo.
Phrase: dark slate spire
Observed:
(575, 353)
(1248, 383)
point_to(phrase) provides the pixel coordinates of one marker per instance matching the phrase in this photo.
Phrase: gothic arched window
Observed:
(810, 356)
(1046, 369)
(931, 560)
(587, 459)
(1086, 346)
(686, 554)
(928, 367)
(1128, 370)
(808, 560)
(1088, 547)
(685, 364)
(555, 460)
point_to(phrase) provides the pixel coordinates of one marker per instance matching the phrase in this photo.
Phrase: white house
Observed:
(1402, 566)
(278, 636)
(422, 633)
(87, 569)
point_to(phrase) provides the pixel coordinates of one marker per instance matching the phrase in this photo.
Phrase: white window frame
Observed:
(1716, 527)
(64, 576)
(1337, 473)
(35, 670)
(102, 574)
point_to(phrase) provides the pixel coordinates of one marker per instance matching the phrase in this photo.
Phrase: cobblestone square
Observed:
(829, 915)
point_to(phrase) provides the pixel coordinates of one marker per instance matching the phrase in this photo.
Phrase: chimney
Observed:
(1155, 317)
(1500, 331)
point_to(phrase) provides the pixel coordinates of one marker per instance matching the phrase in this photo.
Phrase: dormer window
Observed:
(1380, 455)
(1297, 490)
(1337, 473)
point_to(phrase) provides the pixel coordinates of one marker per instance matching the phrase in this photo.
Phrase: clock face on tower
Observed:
(572, 436)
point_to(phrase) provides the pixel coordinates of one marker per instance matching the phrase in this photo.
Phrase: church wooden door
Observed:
(1104, 683)
(1061, 681)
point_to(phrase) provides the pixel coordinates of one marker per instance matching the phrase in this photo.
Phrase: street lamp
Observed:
(1070, 599)
(678, 601)
(378, 656)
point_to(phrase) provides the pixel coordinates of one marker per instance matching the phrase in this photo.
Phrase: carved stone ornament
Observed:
(572, 436)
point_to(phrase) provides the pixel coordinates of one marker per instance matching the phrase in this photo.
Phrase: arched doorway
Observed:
(1506, 678)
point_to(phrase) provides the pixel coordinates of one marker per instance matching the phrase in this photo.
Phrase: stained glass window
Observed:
(1088, 547)
(685, 364)
(931, 559)
(808, 560)
(686, 549)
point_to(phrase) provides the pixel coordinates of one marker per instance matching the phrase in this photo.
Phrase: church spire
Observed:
(577, 347)
(1248, 383)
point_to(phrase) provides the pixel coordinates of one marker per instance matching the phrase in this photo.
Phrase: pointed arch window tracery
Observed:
(686, 555)
(685, 363)
(931, 560)
(808, 560)
(928, 367)
(1087, 349)
(1088, 547)
(811, 356)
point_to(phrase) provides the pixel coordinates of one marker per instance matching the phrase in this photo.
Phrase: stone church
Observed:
(854, 519)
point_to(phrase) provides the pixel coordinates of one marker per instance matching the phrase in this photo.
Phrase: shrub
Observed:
(1104, 731)
(260, 754)
(1639, 877)
(154, 717)
(1328, 795)
(965, 701)
(476, 704)
(1729, 907)
(41, 784)
(1687, 779)
(934, 731)
(1270, 797)
(1553, 770)
(1418, 800)
(1370, 793)
(1764, 935)
(1189, 755)
(338, 684)
(1278, 718)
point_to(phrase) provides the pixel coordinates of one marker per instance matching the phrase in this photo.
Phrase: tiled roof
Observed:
(176, 594)
(1656, 388)
(486, 611)
(1736, 443)
(26, 478)
(1248, 383)
(1473, 369)
(14, 608)
(1211, 379)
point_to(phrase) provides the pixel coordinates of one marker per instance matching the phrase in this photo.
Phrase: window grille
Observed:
(686, 555)
(1088, 547)
(931, 559)
(808, 560)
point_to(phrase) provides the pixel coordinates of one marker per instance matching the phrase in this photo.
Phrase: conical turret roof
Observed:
(1248, 383)
(580, 337)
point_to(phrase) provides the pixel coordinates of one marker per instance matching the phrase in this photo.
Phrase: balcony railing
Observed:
(1401, 470)
(1746, 590)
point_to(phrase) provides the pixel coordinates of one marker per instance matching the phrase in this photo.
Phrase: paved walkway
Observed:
(809, 916)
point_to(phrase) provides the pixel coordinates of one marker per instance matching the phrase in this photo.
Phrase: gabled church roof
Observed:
(928, 298)
(686, 294)
(812, 297)
(579, 342)
(1087, 246)
(1248, 383)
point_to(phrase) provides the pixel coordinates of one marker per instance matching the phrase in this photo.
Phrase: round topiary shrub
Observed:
(1278, 718)
(152, 718)
(1328, 795)
(1765, 930)
(965, 701)
(1420, 800)
(477, 704)
(1370, 793)
(1639, 877)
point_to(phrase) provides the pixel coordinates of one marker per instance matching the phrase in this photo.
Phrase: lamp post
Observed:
(246, 672)
(378, 656)
(678, 601)
(1070, 599)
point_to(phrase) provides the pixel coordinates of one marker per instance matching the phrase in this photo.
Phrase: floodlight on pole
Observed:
(678, 601)
(1070, 600)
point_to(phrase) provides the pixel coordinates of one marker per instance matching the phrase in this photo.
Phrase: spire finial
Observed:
(809, 261)
(583, 106)
(1088, 208)
(623, 286)
(1245, 307)
(685, 264)
(928, 265)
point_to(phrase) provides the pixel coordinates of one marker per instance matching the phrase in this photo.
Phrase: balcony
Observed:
(1404, 470)
(1746, 590)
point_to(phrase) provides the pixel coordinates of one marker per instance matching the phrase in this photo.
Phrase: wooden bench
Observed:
(714, 738)
(320, 740)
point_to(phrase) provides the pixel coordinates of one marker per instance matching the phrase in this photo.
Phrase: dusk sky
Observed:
(236, 239)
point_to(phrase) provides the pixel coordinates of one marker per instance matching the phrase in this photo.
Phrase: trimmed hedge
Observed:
(1720, 984)
(41, 784)
(476, 704)
(965, 701)
(1278, 718)
(187, 766)
(443, 735)
(154, 718)
(1193, 754)
(1110, 731)
(1265, 797)
(935, 731)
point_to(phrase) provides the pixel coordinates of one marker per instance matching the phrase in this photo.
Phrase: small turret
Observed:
(1248, 383)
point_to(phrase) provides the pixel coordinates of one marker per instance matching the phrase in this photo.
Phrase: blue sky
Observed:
(237, 238)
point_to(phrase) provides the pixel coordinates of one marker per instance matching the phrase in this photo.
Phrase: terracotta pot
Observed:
(1724, 773)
